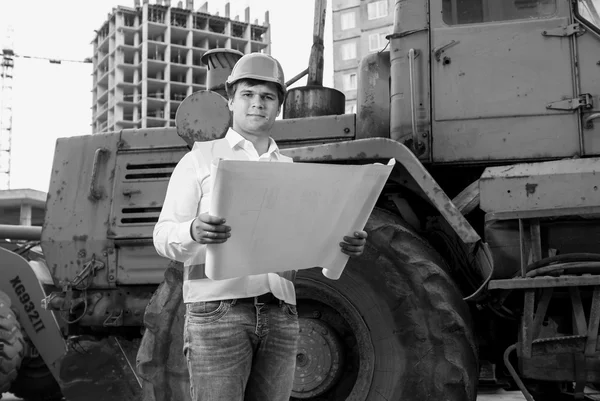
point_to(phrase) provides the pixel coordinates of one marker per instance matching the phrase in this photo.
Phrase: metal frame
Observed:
(588, 24)
(584, 342)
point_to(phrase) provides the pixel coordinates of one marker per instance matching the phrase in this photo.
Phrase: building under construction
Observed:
(147, 59)
(6, 76)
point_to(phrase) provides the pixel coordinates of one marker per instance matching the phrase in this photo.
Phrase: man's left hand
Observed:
(354, 246)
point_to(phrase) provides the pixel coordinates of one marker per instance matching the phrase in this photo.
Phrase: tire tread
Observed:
(12, 344)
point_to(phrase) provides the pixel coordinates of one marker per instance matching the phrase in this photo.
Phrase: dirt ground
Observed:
(499, 395)
(484, 395)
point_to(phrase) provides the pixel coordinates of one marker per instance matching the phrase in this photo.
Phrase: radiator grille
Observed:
(141, 180)
(139, 215)
(148, 171)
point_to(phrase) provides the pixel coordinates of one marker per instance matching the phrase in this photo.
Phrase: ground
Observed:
(497, 395)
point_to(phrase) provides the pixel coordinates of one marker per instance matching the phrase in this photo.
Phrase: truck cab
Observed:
(505, 80)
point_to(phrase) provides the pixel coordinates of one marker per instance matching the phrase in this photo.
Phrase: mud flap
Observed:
(160, 360)
(100, 370)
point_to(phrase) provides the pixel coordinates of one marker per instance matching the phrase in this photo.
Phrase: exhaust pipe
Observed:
(29, 233)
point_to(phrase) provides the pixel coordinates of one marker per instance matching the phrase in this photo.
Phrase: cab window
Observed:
(458, 12)
(590, 11)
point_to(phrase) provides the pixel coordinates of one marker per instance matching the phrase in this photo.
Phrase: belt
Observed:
(267, 298)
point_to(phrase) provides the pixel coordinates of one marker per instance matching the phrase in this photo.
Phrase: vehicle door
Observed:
(587, 13)
(503, 80)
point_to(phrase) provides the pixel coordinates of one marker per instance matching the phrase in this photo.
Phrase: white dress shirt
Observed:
(188, 195)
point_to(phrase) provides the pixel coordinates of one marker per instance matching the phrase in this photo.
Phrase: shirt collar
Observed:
(234, 139)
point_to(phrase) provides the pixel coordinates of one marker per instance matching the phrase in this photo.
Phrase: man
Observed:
(240, 334)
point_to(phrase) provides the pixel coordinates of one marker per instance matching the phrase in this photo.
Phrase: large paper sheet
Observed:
(289, 216)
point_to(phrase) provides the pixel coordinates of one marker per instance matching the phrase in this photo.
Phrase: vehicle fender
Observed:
(408, 165)
(384, 148)
(21, 284)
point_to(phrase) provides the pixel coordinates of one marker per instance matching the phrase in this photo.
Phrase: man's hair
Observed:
(231, 89)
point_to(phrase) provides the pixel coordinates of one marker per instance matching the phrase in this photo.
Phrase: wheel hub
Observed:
(319, 359)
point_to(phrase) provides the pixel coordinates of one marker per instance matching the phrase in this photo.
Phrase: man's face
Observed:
(254, 108)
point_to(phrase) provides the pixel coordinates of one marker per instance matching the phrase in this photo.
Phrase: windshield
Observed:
(590, 10)
(457, 12)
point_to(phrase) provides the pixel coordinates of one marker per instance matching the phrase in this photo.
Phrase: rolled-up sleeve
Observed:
(172, 237)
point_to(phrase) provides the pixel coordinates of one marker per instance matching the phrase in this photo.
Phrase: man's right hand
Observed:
(207, 229)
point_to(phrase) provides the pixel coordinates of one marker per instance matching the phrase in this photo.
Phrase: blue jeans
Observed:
(240, 351)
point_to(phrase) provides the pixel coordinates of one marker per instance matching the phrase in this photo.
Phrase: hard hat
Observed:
(258, 66)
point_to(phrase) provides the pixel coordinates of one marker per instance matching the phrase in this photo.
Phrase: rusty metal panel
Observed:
(545, 213)
(526, 325)
(203, 116)
(559, 345)
(338, 127)
(543, 282)
(140, 264)
(570, 234)
(150, 138)
(491, 86)
(141, 180)
(143, 167)
(78, 206)
(571, 183)
(373, 96)
(313, 101)
(410, 85)
(588, 48)
(505, 138)
(559, 367)
(500, 69)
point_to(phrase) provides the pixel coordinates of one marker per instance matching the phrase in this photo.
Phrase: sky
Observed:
(51, 101)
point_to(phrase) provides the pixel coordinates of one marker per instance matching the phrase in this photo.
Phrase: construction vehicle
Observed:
(482, 263)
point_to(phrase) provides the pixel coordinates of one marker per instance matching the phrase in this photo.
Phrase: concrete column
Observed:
(144, 58)
(25, 218)
(167, 88)
(268, 33)
(248, 33)
(227, 44)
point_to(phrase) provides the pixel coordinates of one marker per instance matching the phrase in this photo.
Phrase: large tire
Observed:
(35, 382)
(395, 317)
(12, 344)
(393, 327)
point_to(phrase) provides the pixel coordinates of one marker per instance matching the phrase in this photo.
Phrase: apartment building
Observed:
(147, 59)
(359, 28)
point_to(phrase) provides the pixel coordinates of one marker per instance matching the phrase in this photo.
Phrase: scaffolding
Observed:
(6, 75)
(147, 59)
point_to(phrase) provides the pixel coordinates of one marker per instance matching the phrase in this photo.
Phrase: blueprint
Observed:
(289, 216)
